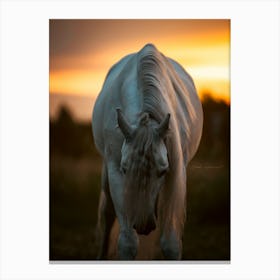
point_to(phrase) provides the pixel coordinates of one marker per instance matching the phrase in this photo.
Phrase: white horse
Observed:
(147, 124)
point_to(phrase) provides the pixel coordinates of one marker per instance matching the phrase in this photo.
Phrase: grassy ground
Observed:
(74, 192)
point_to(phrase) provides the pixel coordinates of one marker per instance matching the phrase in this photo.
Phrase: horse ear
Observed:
(163, 126)
(124, 125)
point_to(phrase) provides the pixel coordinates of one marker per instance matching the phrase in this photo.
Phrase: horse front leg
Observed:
(127, 244)
(128, 238)
(172, 221)
(106, 217)
(171, 245)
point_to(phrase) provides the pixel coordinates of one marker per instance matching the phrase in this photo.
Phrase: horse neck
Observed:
(152, 88)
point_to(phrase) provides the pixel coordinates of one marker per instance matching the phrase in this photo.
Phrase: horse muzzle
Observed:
(146, 228)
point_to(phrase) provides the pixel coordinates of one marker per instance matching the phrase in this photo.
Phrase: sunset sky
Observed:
(82, 52)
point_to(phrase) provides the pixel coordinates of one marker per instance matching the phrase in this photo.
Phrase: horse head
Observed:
(144, 165)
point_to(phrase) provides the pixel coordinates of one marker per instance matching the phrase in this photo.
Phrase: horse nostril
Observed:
(123, 170)
(146, 228)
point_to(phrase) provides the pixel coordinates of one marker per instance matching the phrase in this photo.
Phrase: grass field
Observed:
(74, 193)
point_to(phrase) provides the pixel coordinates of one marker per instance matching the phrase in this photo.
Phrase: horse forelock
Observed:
(142, 156)
(138, 184)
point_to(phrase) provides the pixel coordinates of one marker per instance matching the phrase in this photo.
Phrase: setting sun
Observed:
(82, 52)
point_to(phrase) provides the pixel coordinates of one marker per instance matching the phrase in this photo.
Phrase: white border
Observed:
(255, 138)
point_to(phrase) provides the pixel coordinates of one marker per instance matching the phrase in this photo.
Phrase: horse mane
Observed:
(153, 81)
(150, 70)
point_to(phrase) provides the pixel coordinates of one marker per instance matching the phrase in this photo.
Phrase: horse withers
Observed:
(147, 124)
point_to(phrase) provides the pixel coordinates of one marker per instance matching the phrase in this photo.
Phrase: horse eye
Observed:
(162, 173)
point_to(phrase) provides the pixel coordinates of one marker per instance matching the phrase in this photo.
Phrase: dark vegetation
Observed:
(75, 168)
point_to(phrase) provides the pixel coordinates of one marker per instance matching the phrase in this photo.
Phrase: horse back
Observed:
(118, 91)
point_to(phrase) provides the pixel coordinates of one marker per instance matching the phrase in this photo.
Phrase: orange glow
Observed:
(75, 82)
(202, 47)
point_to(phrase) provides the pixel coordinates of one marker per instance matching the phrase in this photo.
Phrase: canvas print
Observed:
(139, 140)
